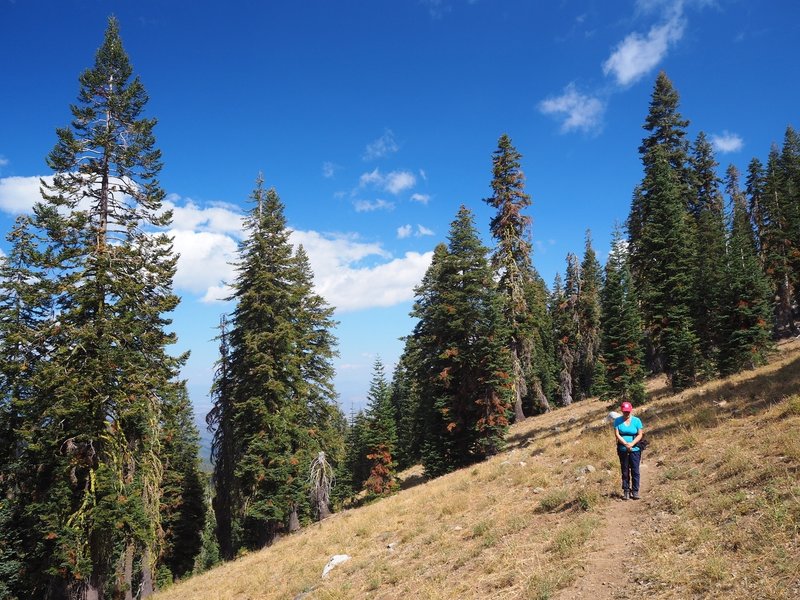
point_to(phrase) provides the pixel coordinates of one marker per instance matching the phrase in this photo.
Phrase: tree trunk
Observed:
(148, 588)
(538, 393)
(128, 571)
(294, 521)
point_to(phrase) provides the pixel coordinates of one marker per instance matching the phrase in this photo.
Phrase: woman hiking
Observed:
(628, 431)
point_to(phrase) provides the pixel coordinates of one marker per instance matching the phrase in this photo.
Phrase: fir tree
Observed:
(661, 241)
(96, 494)
(588, 309)
(282, 410)
(463, 366)
(223, 446)
(405, 402)
(746, 314)
(621, 371)
(776, 246)
(664, 155)
(564, 310)
(511, 260)
(706, 206)
(183, 506)
(380, 435)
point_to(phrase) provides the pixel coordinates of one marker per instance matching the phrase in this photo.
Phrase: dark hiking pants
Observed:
(629, 464)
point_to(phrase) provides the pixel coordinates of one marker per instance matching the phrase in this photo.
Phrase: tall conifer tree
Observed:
(96, 495)
(380, 434)
(511, 260)
(622, 329)
(464, 367)
(707, 210)
(278, 375)
(746, 321)
(661, 240)
(588, 308)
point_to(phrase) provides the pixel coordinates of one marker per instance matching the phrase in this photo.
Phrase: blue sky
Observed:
(376, 119)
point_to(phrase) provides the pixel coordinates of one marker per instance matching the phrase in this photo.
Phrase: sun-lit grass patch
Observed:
(721, 505)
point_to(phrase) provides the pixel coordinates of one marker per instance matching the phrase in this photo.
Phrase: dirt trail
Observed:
(607, 572)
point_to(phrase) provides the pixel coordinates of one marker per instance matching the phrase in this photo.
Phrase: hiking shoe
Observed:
(625, 494)
(635, 496)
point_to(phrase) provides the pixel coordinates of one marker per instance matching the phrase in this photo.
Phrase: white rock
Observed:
(391, 546)
(538, 490)
(612, 416)
(522, 463)
(336, 559)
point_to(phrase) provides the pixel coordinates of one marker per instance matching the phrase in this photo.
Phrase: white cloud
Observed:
(217, 217)
(205, 262)
(394, 182)
(421, 198)
(637, 55)
(403, 232)
(3, 161)
(422, 231)
(381, 147)
(577, 111)
(423, 175)
(329, 169)
(397, 181)
(727, 142)
(350, 286)
(371, 206)
(19, 194)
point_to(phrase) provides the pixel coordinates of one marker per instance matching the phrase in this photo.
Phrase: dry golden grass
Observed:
(720, 518)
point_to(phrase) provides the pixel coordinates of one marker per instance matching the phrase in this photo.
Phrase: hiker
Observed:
(628, 431)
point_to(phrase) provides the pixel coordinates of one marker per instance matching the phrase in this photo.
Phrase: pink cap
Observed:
(626, 407)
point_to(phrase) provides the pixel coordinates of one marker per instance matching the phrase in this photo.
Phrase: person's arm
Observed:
(639, 436)
(619, 438)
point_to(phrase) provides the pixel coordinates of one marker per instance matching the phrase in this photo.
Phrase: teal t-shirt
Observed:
(629, 431)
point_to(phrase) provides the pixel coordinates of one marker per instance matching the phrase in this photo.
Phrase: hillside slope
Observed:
(719, 518)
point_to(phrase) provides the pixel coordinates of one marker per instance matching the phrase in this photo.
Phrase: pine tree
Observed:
(183, 506)
(96, 495)
(706, 207)
(621, 370)
(511, 260)
(746, 314)
(564, 308)
(541, 381)
(354, 469)
(661, 241)
(588, 309)
(464, 372)
(776, 246)
(380, 435)
(405, 402)
(278, 376)
(668, 296)
(223, 445)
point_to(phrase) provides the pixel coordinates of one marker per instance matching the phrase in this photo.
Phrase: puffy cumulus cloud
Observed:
(423, 231)
(19, 194)
(371, 206)
(205, 263)
(217, 217)
(421, 198)
(727, 142)
(3, 161)
(348, 284)
(393, 182)
(576, 111)
(404, 231)
(381, 147)
(398, 181)
(637, 54)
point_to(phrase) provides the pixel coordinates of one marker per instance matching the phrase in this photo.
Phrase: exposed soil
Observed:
(608, 572)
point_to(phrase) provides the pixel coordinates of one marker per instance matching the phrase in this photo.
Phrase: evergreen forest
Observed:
(102, 494)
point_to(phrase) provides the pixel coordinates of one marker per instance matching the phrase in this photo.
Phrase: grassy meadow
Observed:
(719, 515)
